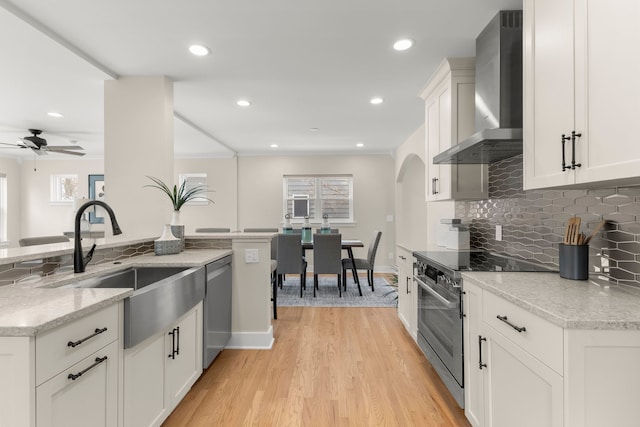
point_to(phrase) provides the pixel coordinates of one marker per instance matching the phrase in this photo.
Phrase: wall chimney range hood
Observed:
(498, 95)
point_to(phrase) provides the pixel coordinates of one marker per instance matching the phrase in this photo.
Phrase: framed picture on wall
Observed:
(96, 192)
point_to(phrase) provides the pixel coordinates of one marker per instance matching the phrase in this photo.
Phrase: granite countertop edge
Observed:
(593, 304)
(32, 307)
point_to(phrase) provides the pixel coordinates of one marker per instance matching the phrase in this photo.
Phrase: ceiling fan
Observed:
(39, 145)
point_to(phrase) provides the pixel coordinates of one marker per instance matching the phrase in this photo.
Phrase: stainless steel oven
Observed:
(440, 325)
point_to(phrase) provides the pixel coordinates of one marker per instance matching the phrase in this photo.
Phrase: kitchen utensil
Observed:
(576, 230)
(595, 230)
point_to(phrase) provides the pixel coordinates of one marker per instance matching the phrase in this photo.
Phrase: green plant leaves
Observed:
(179, 196)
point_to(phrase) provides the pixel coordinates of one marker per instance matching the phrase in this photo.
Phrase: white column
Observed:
(138, 123)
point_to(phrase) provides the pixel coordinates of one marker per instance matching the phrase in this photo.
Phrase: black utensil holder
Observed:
(574, 261)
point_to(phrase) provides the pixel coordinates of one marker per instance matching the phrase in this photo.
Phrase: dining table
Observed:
(348, 245)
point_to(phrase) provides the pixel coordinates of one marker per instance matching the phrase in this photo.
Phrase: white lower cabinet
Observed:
(160, 371)
(544, 375)
(83, 395)
(67, 376)
(407, 292)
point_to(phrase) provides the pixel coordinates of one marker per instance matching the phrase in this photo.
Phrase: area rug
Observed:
(327, 296)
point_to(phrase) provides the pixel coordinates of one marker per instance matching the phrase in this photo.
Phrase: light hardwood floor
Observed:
(328, 367)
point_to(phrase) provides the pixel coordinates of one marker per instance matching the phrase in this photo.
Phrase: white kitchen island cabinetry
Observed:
(407, 292)
(580, 76)
(522, 369)
(67, 376)
(160, 371)
(450, 118)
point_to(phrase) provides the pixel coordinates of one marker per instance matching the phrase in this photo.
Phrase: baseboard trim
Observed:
(251, 340)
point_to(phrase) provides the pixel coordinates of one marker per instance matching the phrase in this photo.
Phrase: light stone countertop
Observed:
(30, 307)
(571, 304)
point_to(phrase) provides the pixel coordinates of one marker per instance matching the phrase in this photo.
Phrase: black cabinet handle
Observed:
(408, 289)
(96, 332)
(435, 184)
(574, 135)
(480, 364)
(520, 329)
(173, 344)
(564, 164)
(402, 257)
(178, 340)
(98, 361)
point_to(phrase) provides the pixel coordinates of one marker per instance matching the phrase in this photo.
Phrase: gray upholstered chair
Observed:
(364, 264)
(327, 257)
(261, 230)
(42, 240)
(290, 259)
(213, 230)
(333, 230)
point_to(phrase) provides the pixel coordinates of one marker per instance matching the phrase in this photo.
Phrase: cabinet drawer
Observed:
(54, 352)
(541, 338)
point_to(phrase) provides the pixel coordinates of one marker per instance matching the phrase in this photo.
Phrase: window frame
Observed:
(318, 179)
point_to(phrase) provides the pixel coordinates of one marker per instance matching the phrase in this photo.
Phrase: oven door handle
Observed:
(435, 294)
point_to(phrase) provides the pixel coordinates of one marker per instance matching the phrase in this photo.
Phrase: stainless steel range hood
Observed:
(498, 95)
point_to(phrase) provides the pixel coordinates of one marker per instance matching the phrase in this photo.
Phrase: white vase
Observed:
(175, 219)
(167, 244)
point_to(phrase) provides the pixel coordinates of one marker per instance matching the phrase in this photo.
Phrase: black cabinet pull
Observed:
(435, 185)
(98, 361)
(408, 289)
(520, 329)
(178, 340)
(480, 364)
(574, 135)
(564, 163)
(96, 332)
(173, 344)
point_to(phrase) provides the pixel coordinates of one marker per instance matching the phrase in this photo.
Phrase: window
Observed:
(192, 180)
(64, 188)
(317, 195)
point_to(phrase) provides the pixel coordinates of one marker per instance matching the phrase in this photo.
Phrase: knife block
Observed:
(574, 261)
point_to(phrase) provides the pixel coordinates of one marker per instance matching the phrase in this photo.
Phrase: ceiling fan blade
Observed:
(63, 147)
(73, 153)
(39, 152)
(29, 144)
(12, 145)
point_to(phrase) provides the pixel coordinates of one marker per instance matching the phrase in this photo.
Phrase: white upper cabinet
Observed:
(449, 119)
(580, 79)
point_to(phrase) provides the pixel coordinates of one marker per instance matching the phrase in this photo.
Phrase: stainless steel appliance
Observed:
(440, 293)
(217, 310)
(498, 95)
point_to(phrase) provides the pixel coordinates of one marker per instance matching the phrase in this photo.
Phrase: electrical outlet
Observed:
(498, 232)
(390, 255)
(251, 256)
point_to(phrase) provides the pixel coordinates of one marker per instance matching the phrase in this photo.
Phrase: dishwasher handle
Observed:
(435, 294)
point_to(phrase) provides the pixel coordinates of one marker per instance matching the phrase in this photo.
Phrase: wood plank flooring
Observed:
(328, 367)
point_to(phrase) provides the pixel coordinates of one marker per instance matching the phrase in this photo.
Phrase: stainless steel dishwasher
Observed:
(217, 309)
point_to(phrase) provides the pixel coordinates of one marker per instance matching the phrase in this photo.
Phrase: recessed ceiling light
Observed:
(199, 50)
(314, 129)
(243, 103)
(376, 100)
(55, 114)
(403, 44)
(360, 144)
(274, 146)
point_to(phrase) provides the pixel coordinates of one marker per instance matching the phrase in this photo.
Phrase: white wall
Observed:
(223, 183)
(12, 169)
(39, 217)
(260, 194)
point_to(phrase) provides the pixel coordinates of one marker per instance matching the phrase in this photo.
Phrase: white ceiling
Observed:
(303, 64)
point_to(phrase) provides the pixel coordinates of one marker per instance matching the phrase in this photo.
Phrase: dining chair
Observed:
(326, 258)
(274, 276)
(213, 230)
(333, 230)
(361, 263)
(42, 240)
(261, 230)
(290, 259)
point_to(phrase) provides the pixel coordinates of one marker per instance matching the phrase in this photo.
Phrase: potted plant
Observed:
(179, 196)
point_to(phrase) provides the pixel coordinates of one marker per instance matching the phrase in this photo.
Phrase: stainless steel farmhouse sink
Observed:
(160, 296)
